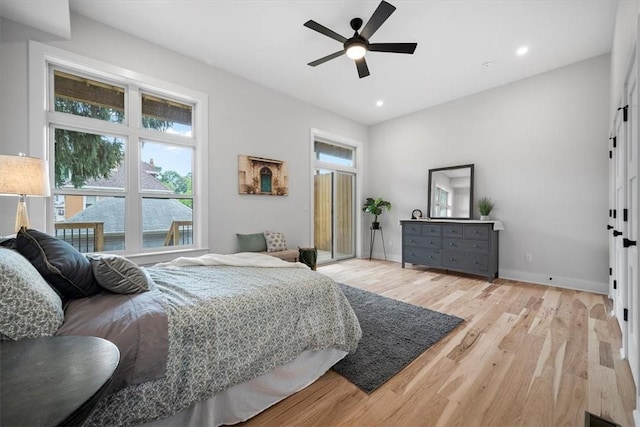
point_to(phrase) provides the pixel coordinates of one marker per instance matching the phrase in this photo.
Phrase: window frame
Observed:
(43, 119)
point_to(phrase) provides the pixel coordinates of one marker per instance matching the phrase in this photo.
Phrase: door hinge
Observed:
(627, 243)
(624, 112)
(615, 141)
(625, 314)
(625, 212)
(610, 271)
(615, 284)
(614, 213)
(610, 154)
(610, 213)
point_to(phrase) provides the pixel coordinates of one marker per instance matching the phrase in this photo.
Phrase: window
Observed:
(442, 206)
(127, 155)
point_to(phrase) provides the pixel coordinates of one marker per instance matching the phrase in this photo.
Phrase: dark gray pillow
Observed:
(118, 274)
(251, 242)
(62, 265)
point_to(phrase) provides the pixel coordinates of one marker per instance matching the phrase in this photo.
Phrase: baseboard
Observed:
(636, 417)
(525, 276)
(559, 281)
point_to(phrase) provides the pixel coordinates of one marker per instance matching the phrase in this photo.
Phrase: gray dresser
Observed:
(468, 248)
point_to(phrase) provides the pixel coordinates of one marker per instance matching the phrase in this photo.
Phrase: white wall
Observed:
(244, 118)
(540, 151)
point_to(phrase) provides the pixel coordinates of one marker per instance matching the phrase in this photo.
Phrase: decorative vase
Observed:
(375, 225)
(485, 217)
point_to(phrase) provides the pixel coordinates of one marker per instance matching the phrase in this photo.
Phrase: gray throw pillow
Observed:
(118, 274)
(251, 242)
(30, 307)
(66, 269)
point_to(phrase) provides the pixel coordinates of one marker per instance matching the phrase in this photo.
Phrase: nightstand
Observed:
(53, 381)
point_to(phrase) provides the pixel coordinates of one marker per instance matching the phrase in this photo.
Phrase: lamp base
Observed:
(22, 217)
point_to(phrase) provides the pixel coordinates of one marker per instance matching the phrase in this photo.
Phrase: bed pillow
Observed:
(66, 269)
(251, 242)
(118, 274)
(275, 241)
(30, 308)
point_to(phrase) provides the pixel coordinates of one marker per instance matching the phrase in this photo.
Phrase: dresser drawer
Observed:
(477, 262)
(434, 230)
(465, 261)
(479, 246)
(412, 229)
(452, 231)
(429, 242)
(477, 232)
(428, 257)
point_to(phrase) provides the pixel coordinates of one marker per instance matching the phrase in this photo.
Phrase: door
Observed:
(334, 198)
(631, 233)
(619, 230)
(334, 213)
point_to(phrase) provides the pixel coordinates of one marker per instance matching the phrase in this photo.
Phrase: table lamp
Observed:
(24, 176)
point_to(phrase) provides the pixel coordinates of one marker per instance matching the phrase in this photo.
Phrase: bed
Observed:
(215, 339)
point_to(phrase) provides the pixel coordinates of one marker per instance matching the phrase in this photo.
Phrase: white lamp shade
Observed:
(24, 176)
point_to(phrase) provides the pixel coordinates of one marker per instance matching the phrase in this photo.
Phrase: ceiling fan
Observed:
(357, 46)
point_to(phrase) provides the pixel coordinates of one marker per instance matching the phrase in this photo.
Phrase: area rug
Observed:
(394, 333)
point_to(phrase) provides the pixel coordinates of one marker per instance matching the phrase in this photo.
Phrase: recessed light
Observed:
(379, 103)
(522, 50)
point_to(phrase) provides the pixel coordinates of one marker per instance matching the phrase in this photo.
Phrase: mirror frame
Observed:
(431, 171)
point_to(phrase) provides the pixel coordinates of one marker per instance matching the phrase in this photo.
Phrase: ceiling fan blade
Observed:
(393, 47)
(380, 15)
(326, 58)
(361, 65)
(324, 30)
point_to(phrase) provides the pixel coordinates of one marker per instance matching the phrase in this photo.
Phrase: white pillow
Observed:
(30, 307)
(275, 241)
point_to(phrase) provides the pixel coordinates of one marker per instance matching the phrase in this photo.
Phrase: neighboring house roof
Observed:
(157, 214)
(118, 177)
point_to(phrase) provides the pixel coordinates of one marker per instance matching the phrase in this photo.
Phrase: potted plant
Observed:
(485, 206)
(374, 207)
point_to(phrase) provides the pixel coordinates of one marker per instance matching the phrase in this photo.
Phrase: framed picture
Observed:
(259, 175)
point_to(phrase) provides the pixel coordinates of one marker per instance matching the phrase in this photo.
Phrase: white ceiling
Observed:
(265, 41)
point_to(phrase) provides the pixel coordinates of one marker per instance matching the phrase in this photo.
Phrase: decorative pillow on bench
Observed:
(275, 241)
(251, 242)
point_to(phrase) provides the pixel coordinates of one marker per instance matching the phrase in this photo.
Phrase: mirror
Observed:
(451, 192)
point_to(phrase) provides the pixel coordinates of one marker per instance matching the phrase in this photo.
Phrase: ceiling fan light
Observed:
(356, 51)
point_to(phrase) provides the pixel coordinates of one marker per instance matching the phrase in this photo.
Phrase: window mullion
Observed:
(134, 202)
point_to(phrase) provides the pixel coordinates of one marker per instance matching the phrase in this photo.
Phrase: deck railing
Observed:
(90, 236)
(180, 233)
(84, 236)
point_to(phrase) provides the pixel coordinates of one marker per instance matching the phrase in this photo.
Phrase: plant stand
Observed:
(373, 241)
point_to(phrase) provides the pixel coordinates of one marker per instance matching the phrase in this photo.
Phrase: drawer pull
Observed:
(475, 232)
(452, 244)
(476, 262)
(451, 259)
(475, 246)
(412, 241)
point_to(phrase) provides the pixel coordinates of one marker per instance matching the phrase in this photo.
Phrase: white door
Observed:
(631, 233)
(619, 230)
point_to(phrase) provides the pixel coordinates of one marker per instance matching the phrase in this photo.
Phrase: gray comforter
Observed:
(227, 325)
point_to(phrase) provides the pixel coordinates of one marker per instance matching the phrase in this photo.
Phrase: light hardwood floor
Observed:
(526, 355)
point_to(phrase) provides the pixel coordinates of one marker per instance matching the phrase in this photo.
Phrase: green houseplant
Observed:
(485, 206)
(374, 207)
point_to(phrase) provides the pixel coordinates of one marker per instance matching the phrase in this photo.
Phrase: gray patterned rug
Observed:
(394, 333)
